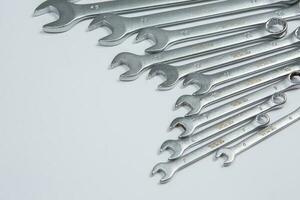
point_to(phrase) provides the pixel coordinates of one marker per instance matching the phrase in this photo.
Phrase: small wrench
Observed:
(164, 38)
(171, 167)
(190, 71)
(275, 28)
(179, 146)
(197, 102)
(206, 82)
(123, 27)
(190, 123)
(69, 13)
(231, 152)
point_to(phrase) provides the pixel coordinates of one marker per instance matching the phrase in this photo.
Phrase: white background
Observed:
(70, 130)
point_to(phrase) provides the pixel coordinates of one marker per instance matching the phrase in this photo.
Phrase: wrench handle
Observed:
(255, 67)
(123, 7)
(208, 149)
(232, 122)
(248, 84)
(211, 46)
(267, 132)
(243, 102)
(229, 26)
(247, 53)
(195, 13)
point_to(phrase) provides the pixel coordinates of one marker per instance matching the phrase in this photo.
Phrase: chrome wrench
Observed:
(69, 13)
(171, 167)
(206, 82)
(123, 27)
(231, 152)
(165, 38)
(197, 102)
(191, 71)
(273, 29)
(178, 147)
(191, 123)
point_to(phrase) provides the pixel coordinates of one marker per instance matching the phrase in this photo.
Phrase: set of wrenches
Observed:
(241, 69)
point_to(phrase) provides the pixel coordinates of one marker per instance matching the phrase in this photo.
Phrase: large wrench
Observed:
(123, 27)
(69, 13)
(231, 152)
(179, 146)
(275, 28)
(190, 123)
(206, 82)
(164, 38)
(191, 71)
(171, 167)
(197, 102)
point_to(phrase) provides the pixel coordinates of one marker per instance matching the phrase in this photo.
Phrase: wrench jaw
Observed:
(170, 73)
(157, 36)
(173, 146)
(132, 61)
(115, 24)
(166, 170)
(65, 12)
(191, 101)
(227, 154)
(202, 81)
(186, 124)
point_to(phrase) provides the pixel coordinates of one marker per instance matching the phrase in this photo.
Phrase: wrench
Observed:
(231, 152)
(171, 167)
(165, 38)
(190, 123)
(179, 146)
(191, 71)
(69, 13)
(206, 82)
(197, 102)
(123, 27)
(274, 28)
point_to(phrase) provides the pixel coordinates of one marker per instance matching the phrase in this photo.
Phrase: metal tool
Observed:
(171, 167)
(275, 28)
(197, 102)
(191, 71)
(231, 152)
(205, 82)
(69, 13)
(165, 38)
(123, 27)
(190, 123)
(179, 146)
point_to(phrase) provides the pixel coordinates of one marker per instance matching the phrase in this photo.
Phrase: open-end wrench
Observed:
(70, 13)
(171, 167)
(205, 82)
(164, 38)
(179, 146)
(191, 123)
(197, 102)
(275, 28)
(190, 71)
(122, 27)
(231, 152)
